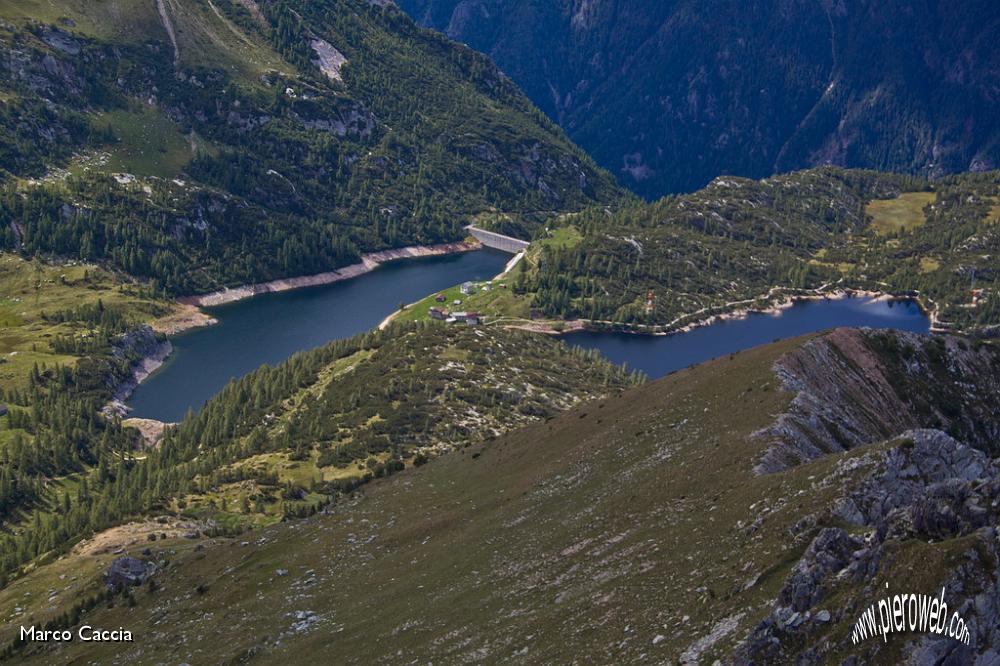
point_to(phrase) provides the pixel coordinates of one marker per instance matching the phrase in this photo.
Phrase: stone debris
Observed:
(329, 60)
(128, 571)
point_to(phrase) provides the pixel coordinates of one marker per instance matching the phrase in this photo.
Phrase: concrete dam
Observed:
(497, 241)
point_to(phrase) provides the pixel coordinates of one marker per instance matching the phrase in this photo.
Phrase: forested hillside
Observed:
(278, 443)
(160, 148)
(740, 243)
(669, 95)
(202, 143)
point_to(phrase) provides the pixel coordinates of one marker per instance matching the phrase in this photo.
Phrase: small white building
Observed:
(468, 288)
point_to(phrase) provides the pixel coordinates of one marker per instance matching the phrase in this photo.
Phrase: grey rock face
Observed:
(931, 403)
(926, 487)
(925, 464)
(856, 387)
(140, 342)
(128, 571)
(829, 553)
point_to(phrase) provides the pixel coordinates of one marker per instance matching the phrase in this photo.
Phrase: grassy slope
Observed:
(584, 538)
(30, 289)
(587, 535)
(903, 213)
(499, 301)
(148, 144)
(130, 21)
(204, 35)
(439, 553)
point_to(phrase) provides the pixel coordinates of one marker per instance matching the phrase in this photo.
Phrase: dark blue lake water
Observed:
(658, 356)
(271, 327)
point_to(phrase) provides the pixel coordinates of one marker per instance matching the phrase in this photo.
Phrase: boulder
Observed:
(128, 571)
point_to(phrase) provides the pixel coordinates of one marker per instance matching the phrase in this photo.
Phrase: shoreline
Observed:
(506, 271)
(776, 308)
(369, 262)
(139, 371)
(151, 430)
(184, 318)
(188, 315)
(384, 324)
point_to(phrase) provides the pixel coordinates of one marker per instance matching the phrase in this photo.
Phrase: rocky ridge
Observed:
(925, 488)
(856, 387)
(925, 475)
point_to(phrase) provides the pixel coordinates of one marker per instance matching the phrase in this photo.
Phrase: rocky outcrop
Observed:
(923, 457)
(829, 553)
(138, 343)
(975, 580)
(934, 400)
(328, 59)
(128, 572)
(150, 430)
(927, 487)
(857, 386)
(142, 353)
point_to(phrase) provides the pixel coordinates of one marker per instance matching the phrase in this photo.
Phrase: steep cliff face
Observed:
(669, 95)
(856, 387)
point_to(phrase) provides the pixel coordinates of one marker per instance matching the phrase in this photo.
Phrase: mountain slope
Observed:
(740, 244)
(669, 95)
(279, 443)
(630, 529)
(203, 143)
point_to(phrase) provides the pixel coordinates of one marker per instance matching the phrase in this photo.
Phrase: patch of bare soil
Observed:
(136, 535)
(186, 316)
(150, 430)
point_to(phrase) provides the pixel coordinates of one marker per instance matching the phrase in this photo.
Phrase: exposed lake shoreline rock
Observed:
(368, 263)
(777, 299)
(152, 353)
(148, 353)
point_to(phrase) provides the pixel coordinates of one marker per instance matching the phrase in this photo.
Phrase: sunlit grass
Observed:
(904, 213)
